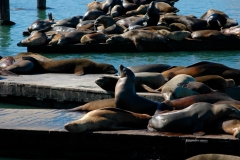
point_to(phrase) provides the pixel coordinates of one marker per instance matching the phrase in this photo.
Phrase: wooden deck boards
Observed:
(39, 133)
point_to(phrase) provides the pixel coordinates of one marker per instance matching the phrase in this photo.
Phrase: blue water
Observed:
(24, 12)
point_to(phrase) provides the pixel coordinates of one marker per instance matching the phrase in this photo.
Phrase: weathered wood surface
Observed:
(39, 133)
(58, 87)
(185, 45)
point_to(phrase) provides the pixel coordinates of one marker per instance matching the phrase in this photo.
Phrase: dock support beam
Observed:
(5, 13)
(41, 4)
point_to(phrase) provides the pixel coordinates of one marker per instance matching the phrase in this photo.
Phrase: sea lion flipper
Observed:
(197, 130)
(79, 71)
(7, 73)
(149, 89)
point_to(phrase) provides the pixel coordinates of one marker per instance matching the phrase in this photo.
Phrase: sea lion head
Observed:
(6, 61)
(125, 72)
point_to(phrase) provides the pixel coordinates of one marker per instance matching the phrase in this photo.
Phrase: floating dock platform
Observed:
(29, 133)
(171, 45)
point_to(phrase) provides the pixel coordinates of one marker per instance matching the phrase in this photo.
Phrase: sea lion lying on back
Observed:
(76, 66)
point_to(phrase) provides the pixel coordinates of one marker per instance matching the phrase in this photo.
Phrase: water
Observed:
(23, 13)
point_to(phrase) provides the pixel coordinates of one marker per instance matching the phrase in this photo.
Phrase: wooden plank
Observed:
(39, 132)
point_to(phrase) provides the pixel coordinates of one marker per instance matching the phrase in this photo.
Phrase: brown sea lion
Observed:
(108, 119)
(97, 104)
(110, 26)
(110, 4)
(117, 10)
(56, 38)
(175, 35)
(213, 98)
(95, 5)
(214, 157)
(229, 23)
(20, 67)
(197, 117)
(126, 97)
(126, 21)
(136, 36)
(216, 82)
(153, 80)
(69, 22)
(92, 15)
(169, 71)
(212, 34)
(31, 54)
(72, 37)
(232, 30)
(95, 38)
(163, 7)
(209, 68)
(76, 66)
(177, 27)
(192, 24)
(36, 38)
(129, 5)
(142, 9)
(230, 126)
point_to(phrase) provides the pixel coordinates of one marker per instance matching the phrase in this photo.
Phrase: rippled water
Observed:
(24, 12)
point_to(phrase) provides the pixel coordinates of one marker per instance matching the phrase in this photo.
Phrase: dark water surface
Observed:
(24, 12)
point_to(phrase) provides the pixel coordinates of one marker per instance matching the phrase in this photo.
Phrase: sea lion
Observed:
(21, 66)
(109, 4)
(232, 30)
(92, 15)
(136, 36)
(169, 71)
(214, 156)
(97, 104)
(117, 10)
(197, 117)
(95, 38)
(181, 103)
(110, 26)
(216, 21)
(175, 35)
(76, 66)
(177, 27)
(42, 25)
(95, 5)
(164, 7)
(192, 24)
(72, 37)
(216, 82)
(129, 5)
(126, 97)
(6, 61)
(31, 54)
(126, 21)
(69, 22)
(211, 34)
(142, 9)
(36, 38)
(56, 37)
(62, 29)
(209, 68)
(149, 68)
(230, 126)
(179, 87)
(108, 119)
(229, 23)
(151, 18)
(153, 80)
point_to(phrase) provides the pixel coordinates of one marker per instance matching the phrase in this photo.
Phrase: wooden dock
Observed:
(55, 90)
(171, 45)
(29, 133)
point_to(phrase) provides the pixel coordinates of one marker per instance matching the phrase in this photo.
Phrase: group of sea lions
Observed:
(116, 21)
(188, 106)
